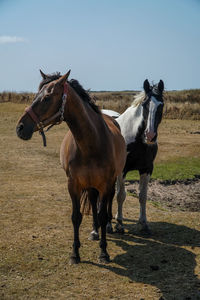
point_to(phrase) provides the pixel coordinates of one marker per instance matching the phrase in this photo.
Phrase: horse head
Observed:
(152, 109)
(46, 109)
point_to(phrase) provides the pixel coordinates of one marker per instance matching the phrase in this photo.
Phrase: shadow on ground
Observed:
(160, 260)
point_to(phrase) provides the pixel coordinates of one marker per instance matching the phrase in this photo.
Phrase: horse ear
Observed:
(146, 86)
(44, 76)
(161, 86)
(63, 78)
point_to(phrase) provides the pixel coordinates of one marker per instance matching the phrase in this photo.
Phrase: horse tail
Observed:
(85, 205)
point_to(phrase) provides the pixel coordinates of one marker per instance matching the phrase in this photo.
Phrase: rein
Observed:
(41, 124)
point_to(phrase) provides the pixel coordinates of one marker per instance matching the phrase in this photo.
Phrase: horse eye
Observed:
(46, 99)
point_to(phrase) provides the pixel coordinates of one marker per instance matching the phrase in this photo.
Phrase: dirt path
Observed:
(179, 195)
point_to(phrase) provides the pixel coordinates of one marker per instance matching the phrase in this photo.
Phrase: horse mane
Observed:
(138, 99)
(83, 94)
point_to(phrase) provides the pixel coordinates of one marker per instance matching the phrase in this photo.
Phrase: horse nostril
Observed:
(19, 129)
(150, 135)
(20, 126)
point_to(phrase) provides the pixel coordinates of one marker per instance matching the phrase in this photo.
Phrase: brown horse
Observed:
(93, 152)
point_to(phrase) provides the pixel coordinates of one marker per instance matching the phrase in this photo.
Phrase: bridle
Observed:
(42, 124)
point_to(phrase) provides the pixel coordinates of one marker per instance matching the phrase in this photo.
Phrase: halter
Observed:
(41, 124)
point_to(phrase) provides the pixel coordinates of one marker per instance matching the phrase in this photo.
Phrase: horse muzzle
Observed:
(150, 137)
(24, 132)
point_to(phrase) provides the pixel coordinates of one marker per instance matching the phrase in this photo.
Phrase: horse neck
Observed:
(130, 122)
(78, 116)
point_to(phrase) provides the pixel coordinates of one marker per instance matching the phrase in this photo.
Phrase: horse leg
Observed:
(109, 228)
(103, 219)
(121, 195)
(93, 195)
(143, 186)
(76, 220)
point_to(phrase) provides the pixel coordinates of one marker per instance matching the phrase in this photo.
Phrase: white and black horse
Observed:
(139, 125)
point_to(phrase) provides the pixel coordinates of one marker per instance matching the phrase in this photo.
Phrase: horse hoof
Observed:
(74, 260)
(144, 229)
(119, 228)
(109, 228)
(94, 236)
(104, 259)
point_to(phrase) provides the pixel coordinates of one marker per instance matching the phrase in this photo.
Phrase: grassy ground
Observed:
(179, 151)
(174, 169)
(36, 231)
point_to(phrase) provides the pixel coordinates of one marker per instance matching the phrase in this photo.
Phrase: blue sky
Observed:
(107, 44)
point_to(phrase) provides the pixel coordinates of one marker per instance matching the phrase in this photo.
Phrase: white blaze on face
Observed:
(150, 133)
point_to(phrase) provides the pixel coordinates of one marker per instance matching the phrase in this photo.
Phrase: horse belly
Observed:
(140, 157)
(92, 177)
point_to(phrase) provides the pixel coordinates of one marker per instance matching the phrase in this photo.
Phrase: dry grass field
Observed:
(36, 231)
(178, 104)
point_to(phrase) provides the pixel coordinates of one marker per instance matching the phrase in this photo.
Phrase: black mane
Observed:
(83, 94)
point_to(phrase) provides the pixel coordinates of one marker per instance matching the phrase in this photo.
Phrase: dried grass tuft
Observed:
(178, 104)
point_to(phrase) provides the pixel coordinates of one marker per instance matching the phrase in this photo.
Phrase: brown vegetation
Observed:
(16, 97)
(183, 105)
(178, 104)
